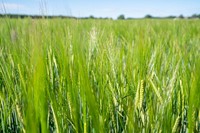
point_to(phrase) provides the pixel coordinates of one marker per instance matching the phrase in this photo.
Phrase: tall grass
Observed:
(99, 75)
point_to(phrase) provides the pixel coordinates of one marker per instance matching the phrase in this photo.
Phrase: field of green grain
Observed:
(90, 76)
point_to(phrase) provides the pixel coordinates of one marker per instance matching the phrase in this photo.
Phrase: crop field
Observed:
(90, 76)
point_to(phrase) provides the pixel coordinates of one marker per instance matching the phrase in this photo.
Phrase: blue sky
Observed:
(103, 8)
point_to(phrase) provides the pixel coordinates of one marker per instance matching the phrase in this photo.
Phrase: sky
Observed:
(101, 8)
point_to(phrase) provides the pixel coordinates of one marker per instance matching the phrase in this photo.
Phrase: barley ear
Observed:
(137, 96)
(174, 129)
(141, 93)
(20, 116)
(156, 91)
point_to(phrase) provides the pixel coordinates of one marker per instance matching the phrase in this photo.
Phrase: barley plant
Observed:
(90, 76)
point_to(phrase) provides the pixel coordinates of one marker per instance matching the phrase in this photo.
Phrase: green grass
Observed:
(99, 75)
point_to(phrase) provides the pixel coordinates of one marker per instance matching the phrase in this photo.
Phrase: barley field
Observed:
(90, 76)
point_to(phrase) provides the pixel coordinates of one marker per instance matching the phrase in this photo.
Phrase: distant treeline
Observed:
(32, 16)
(47, 16)
(122, 17)
(194, 16)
